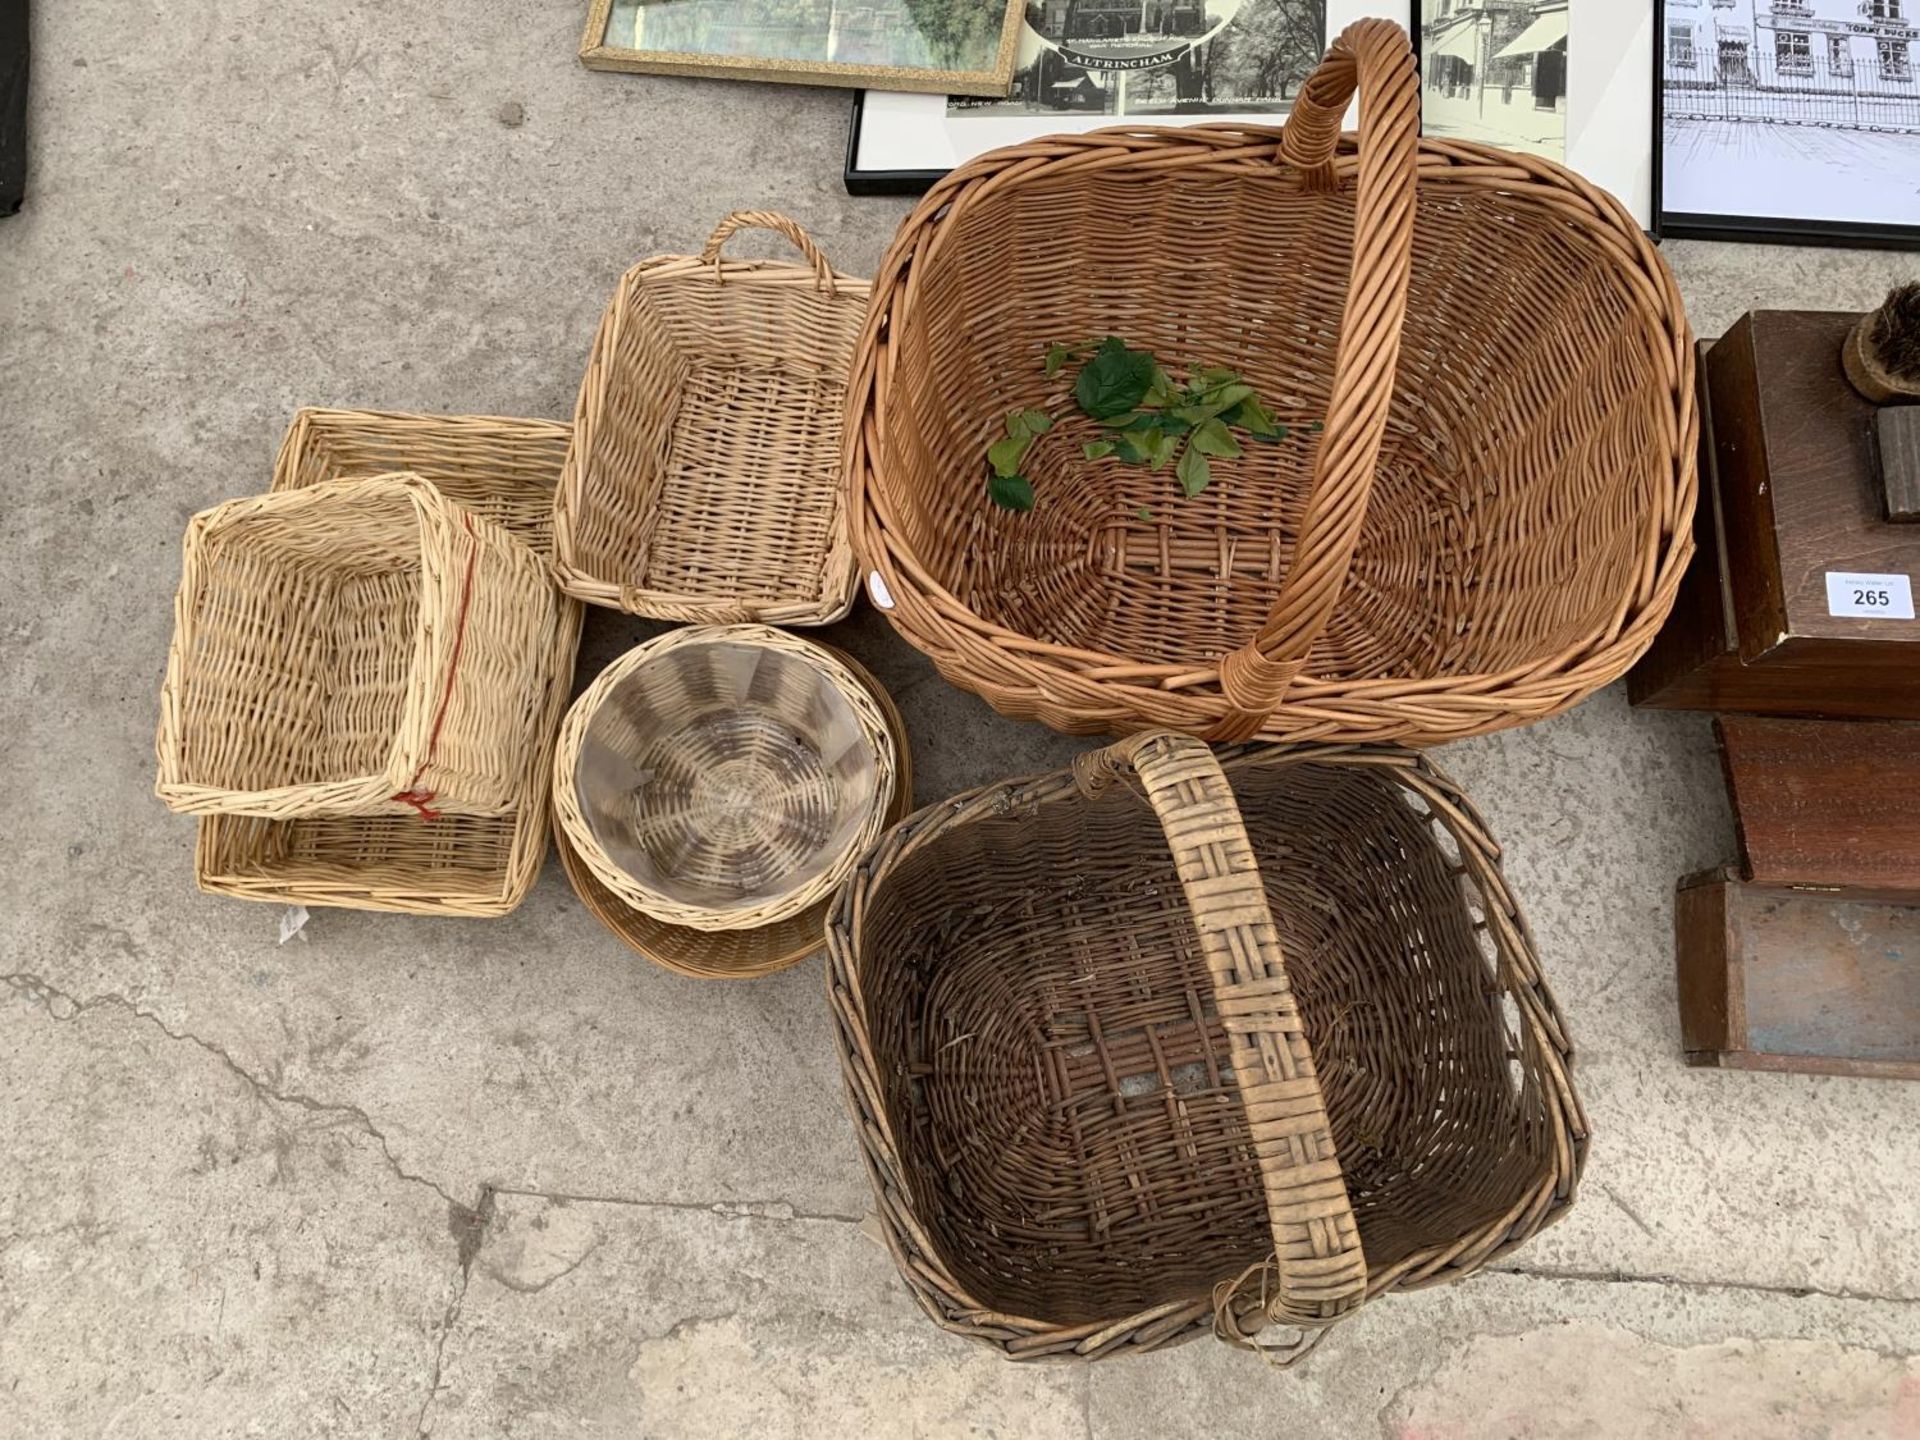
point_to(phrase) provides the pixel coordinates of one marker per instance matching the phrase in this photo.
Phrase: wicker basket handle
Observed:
(780, 225)
(1374, 57)
(1320, 1271)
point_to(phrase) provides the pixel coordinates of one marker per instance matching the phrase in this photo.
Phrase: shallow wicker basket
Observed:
(358, 647)
(736, 954)
(799, 829)
(501, 468)
(1173, 1042)
(467, 865)
(704, 479)
(1492, 524)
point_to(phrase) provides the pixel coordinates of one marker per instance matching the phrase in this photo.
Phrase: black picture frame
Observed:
(917, 182)
(879, 182)
(1752, 229)
(913, 182)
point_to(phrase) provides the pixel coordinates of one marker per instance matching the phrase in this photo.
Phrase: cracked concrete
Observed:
(656, 1320)
(185, 1254)
(62, 1006)
(468, 1178)
(1510, 1357)
(469, 1229)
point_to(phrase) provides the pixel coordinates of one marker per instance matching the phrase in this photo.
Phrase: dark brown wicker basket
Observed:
(1102, 1113)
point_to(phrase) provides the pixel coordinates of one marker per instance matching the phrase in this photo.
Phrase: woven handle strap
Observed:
(780, 225)
(1321, 1272)
(1374, 57)
(692, 610)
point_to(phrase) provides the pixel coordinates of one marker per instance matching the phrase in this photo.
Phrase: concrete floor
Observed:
(405, 1177)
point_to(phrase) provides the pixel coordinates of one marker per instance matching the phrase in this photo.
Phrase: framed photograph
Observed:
(1571, 80)
(958, 47)
(1085, 64)
(1790, 120)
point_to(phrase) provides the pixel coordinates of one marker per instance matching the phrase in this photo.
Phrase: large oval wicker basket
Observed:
(1172, 1041)
(1491, 525)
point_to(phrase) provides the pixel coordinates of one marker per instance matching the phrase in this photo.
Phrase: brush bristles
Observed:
(1895, 335)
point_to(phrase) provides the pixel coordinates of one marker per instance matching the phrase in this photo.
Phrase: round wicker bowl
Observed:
(735, 954)
(724, 777)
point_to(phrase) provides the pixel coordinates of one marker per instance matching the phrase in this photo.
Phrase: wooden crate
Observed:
(1777, 978)
(1790, 491)
(1826, 804)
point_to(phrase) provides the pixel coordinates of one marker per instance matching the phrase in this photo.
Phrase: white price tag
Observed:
(883, 597)
(1869, 597)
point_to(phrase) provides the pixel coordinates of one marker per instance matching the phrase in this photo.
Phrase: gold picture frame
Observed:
(869, 72)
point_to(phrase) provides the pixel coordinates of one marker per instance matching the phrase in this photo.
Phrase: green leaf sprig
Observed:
(1009, 488)
(1146, 417)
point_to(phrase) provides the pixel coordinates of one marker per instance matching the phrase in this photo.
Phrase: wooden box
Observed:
(1897, 436)
(1826, 804)
(1790, 496)
(1808, 958)
(1777, 978)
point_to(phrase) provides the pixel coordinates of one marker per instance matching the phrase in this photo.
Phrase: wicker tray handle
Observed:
(1321, 1271)
(780, 225)
(1373, 56)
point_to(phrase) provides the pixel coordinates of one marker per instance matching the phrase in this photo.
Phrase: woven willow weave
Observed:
(358, 647)
(736, 954)
(1492, 525)
(704, 479)
(1246, 1039)
(707, 834)
(504, 470)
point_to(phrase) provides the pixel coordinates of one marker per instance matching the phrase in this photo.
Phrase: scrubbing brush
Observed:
(1882, 355)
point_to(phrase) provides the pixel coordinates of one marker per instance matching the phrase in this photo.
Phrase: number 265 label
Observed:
(1869, 597)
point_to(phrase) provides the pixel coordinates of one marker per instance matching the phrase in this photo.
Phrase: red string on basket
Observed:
(422, 800)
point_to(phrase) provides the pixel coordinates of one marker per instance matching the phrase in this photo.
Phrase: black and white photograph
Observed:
(1568, 80)
(1496, 71)
(1087, 63)
(1791, 119)
(1143, 34)
(1160, 57)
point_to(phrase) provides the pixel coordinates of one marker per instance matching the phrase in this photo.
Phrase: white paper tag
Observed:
(293, 921)
(1869, 597)
(883, 597)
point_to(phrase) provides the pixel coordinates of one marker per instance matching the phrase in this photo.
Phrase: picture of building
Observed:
(1496, 71)
(1804, 49)
(1125, 27)
(1797, 109)
(1160, 57)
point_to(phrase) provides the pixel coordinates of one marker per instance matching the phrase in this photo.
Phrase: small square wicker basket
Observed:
(704, 480)
(357, 647)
